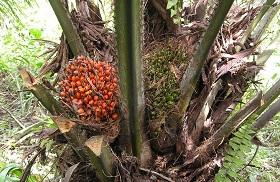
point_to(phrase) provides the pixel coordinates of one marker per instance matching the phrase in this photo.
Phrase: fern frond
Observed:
(235, 158)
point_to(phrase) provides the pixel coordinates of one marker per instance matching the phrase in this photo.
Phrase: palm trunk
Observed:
(132, 137)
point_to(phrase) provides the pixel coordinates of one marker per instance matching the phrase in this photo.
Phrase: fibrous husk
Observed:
(97, 39)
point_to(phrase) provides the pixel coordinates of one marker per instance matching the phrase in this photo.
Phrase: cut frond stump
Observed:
(100, 154)
(64, 125)
(96, 149)
(40, 92)
(72, 133)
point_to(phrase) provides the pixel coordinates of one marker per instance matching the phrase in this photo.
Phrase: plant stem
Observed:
(264, 23)
(267, 115)
(266, 6)
(100, 155)
(193, 70)
(95, 149)
(252, 109)
(69, 29)
(270, 95)
(236, 120)
(127, 20)
(41, 93)
(265, 55)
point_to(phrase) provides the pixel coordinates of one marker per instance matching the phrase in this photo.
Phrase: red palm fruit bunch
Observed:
(91, 89)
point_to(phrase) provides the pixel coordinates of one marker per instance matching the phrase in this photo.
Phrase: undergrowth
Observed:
(245, 161)
(22, 119)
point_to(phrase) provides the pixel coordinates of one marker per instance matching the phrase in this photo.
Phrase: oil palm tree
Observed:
(178, 82)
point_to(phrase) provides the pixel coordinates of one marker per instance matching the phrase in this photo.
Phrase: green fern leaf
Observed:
(232, 174)
(171, 3)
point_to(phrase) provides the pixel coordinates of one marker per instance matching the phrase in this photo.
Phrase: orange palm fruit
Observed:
(115, 116)
(91, 88)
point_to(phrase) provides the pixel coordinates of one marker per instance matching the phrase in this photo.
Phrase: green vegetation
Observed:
(12, 172)
(175, 7)
(256, 161)
(235, 160)
(21, 49)
(21, 116)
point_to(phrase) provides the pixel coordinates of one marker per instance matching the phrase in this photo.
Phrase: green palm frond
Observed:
(127, 24)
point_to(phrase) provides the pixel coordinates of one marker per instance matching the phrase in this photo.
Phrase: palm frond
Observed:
(13, 9)
(127, 23)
